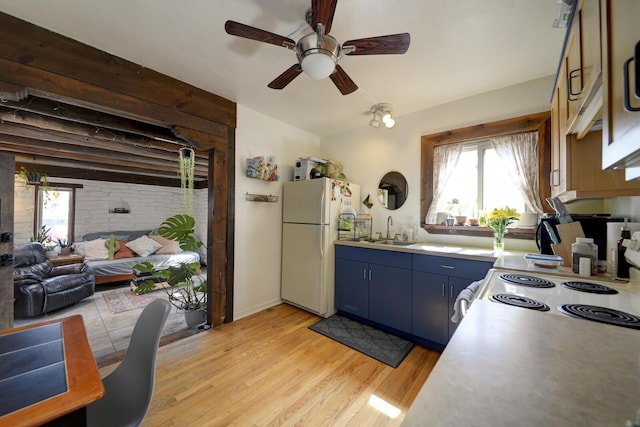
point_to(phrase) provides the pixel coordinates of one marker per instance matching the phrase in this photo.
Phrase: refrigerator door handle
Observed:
(323, 214)
(322, 242)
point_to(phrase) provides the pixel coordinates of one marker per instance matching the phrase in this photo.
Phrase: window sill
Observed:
(466, 230)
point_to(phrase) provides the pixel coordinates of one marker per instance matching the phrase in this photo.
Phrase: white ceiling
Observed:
(458, 48)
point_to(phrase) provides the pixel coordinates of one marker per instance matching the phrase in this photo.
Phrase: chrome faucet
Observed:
(389, 222)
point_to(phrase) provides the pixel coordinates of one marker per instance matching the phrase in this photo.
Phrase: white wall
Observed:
(368, 153)
(149, 206)
(258, 225)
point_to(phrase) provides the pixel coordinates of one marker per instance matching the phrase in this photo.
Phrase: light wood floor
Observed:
(270, 370)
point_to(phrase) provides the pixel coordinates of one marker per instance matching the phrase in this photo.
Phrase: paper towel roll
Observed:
(613, 234)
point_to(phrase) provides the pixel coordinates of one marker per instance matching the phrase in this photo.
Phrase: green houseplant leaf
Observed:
(181, 229)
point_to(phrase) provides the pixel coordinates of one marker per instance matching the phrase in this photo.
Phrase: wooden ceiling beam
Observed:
(43, 49)
(35, 127)
(104, 175)
(60, 150)
(155, 135)
(48, 85)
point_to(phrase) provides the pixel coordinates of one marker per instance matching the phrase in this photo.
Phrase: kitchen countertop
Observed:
(512, 367)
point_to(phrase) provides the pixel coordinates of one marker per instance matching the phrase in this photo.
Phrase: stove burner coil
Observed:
(601, 314)
(525, 280)
(592, 288)
(519, 301)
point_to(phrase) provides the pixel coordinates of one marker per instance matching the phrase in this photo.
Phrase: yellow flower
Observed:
(499, 219)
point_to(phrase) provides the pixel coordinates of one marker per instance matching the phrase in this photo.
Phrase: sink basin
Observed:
(393, 242)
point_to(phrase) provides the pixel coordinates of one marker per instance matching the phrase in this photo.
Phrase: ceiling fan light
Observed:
(390, 123)
(386, 116)
(318, 66)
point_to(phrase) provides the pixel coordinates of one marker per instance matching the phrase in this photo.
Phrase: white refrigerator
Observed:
(310, 212)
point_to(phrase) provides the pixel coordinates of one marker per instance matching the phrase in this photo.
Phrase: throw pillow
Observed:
(78, 247)
(143, 246)
(124, 251)
(95, 250)
(168, 246)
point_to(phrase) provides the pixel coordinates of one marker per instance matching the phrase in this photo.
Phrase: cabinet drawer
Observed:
(455, 267)
(375, 256)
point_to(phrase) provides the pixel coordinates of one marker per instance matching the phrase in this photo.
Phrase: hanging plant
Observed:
(187, 166)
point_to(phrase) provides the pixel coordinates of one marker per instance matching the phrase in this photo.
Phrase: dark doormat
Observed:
(382, 346)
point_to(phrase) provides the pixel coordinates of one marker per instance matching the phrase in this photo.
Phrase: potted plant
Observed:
(32, 176)
(42, 235)
(65, 246)
(185, 288)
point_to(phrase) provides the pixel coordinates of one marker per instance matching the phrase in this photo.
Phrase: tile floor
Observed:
(107, 332)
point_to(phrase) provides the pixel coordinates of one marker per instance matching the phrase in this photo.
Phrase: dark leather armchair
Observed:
(39, 287)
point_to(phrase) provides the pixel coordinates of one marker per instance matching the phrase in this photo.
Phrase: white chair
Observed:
(128, 389)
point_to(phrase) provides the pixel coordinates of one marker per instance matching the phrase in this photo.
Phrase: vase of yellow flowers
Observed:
(498, 220)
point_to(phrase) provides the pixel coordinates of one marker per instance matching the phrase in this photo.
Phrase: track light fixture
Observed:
(382, 114)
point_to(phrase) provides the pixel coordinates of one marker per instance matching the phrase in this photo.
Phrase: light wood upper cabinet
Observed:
(558, 177)
(583, 63)
(588, 87)
(621, 128)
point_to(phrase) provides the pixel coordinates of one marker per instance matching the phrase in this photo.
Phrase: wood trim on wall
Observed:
(540, 122)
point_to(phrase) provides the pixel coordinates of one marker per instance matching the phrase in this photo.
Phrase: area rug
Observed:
(380, 345)
(121, 300)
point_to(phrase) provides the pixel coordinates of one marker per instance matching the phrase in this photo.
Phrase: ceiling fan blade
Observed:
(381, 45)
(285, 78)
(342, 81)
(253, 33)
(322, 12)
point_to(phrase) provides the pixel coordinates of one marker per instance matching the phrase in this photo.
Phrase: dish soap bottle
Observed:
(622, 268)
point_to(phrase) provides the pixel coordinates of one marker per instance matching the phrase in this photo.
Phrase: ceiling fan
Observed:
(318, 53)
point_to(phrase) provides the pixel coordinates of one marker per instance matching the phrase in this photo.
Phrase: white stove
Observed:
(615, 303)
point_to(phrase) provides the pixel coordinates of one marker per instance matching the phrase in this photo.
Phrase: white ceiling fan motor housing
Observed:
(318, 57)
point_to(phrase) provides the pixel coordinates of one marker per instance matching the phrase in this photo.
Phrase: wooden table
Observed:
(47, 371)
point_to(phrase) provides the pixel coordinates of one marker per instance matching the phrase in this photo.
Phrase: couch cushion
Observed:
(124, 251)
(168, 246)
(95, 249)
(144, 246)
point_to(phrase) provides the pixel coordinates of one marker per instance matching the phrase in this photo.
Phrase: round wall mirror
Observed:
(393, 190)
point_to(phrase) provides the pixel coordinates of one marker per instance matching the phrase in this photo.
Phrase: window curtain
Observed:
(445, 159)
(519, 154)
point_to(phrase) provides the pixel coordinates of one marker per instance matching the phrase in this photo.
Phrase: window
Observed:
(55, 209)
(480, 183)
(539, 123)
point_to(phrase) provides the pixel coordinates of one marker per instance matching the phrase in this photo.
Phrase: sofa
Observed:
(135, 246)
(39, 287)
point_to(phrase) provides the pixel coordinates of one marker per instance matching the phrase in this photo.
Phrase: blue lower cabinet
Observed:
(429, 307)
(409, 293)
(374, 285)
(390, 297)
(352, 287)
(456, 285)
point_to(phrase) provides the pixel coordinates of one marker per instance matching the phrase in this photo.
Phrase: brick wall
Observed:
(148, 205)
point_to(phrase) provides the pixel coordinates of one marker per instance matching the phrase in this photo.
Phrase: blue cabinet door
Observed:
(456, 285)
(429, 307)
(390, 297)
(352, 287)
